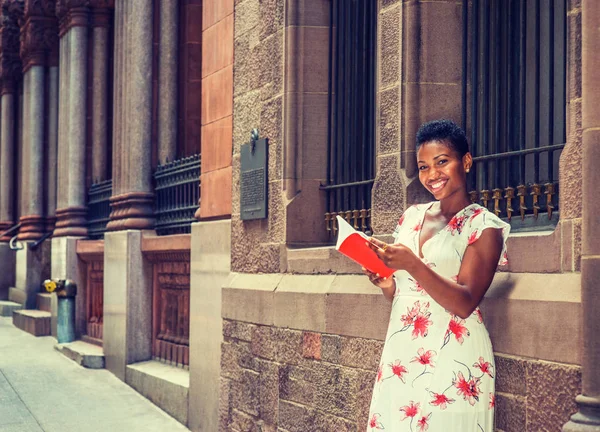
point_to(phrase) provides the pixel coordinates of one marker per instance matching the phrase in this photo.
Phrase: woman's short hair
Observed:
(443, 130)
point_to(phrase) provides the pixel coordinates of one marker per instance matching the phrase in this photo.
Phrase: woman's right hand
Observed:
(383, 283)
(387, 285)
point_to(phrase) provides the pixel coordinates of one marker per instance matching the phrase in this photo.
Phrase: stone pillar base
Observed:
(5, 226)
(8, 259)
(131, 211)
(32, 268)
(32, 227)
(587, 419)
(66, 265)
(50, 224)
(72, 222)
(127, 329)
(209, 270)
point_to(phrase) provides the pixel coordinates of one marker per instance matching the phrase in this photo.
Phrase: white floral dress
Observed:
(437, 370)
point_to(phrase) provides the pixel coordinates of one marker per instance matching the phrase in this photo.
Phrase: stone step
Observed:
(32, 321)
(17, 295)
(85, 354)
(7, 307)
(44, 302)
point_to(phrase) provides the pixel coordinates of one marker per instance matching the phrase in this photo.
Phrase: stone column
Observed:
(127, 275)
(51, 161)
(100, 34)
(132, 200)
(71, 219)
(10, 71)
(588, 416)
(10, 67)
(39, 37)
(7, 162)
(32, 220)
(167, 81)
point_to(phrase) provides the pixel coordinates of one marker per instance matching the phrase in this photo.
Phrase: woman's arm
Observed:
(474, 278)
(387, 285)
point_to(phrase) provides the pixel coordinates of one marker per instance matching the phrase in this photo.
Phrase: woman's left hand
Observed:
(397, 257)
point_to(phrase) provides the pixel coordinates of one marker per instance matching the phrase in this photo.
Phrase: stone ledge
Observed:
(341, 305)
(523, 256)
(7, 308)
(32, 321)
(83, 353)
(44, 302)
(164, 385)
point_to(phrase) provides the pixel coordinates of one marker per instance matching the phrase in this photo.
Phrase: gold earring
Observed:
(467, 169)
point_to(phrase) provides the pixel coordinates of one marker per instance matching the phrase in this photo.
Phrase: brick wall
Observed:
(279, 379)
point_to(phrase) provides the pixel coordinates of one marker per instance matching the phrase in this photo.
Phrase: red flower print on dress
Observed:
(398, 370)
(492, 400)
(457, 328)
(421, 325)
(477, 211)
(440, 400)
(468, 389)
(410, 411)
(485, 367)
(478, 314)
(422, 423)
(401, 220)
(473, 237)
(424, 357)
(417, 227)
(374, 423)
(379, 373)
(456, 224)
(504, 259)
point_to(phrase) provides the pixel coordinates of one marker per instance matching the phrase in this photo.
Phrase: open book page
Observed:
(352, 243)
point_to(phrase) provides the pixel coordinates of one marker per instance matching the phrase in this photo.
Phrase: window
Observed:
(514, 103)
(351, 132)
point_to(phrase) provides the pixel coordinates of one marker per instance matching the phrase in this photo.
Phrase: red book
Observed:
(352, 243)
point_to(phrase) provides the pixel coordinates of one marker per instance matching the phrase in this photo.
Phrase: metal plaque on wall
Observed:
(253, 180)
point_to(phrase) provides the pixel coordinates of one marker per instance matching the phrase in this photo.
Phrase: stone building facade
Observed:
(248, 325)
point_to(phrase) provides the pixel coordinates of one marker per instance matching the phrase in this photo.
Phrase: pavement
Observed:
(43, 391)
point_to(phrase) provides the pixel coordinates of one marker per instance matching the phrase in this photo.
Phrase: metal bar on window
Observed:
(465, 62)
(536, 141)
(550, 90)
(531, 150)
(522, 87)
(474, 86)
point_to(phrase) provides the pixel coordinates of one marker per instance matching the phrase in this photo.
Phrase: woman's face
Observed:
(441, 169)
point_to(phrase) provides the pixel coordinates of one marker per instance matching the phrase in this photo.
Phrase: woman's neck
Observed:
(453, 204)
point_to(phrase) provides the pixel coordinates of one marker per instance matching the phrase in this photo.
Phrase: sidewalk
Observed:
(41, 390)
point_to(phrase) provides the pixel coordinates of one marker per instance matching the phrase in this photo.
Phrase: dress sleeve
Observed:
(404, 219)
(483, 220)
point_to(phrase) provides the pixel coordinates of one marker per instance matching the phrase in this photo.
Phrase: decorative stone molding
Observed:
(131, 211)
(76, 13)
(4, 226)
(32, 227)
(50, 223)
(10, 62)
(71, 221)
(39, 33)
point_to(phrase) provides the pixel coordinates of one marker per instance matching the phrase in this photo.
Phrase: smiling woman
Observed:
(437, 367)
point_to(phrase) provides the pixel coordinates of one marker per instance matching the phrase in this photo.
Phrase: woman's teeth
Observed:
(438, 185)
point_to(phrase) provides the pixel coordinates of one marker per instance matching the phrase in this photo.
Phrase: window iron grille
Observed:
(177, 188)
(99, 208)
(351, 113)
(514, 100)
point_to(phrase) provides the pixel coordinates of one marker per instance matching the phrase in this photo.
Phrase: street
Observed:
(42, 390)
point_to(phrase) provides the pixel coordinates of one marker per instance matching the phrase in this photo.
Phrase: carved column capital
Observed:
(10, 62)
(39, 33)
(72, 13)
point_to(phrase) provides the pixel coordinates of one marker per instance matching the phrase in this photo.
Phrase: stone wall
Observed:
(258, 103)
(280, 379)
